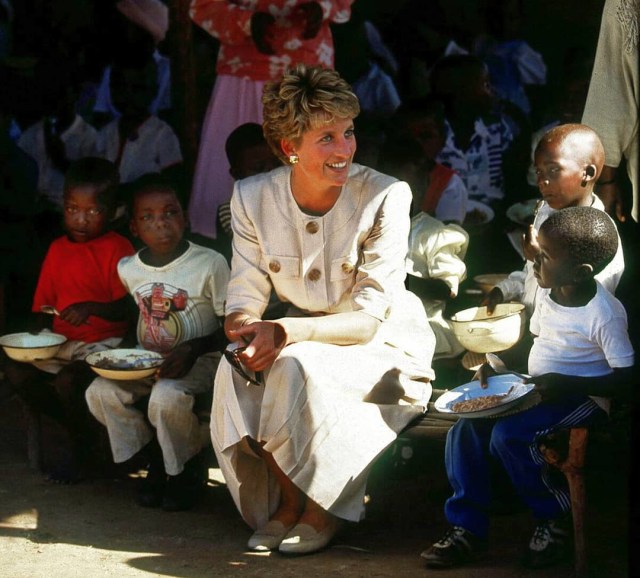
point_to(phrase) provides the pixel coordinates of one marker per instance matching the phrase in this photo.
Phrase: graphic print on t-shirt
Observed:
(161, 325)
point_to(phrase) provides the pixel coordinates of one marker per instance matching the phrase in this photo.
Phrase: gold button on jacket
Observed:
(314, 274)
(312, 227)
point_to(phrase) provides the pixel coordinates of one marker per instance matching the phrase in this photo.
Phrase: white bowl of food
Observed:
(124, 364)
(524, 212)
(32, 346)
(480, 332)
(488, 281)
(478, 215)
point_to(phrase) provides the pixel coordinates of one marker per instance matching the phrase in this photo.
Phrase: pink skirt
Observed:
(234, 101)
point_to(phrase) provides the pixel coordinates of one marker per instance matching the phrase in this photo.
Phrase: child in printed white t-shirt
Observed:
(179, 289)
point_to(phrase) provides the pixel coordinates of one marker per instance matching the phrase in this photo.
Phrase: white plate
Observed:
(497, 384)
(485, 209)
(123, 364)
(523, 213)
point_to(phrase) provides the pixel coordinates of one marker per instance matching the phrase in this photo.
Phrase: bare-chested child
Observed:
(568, 161)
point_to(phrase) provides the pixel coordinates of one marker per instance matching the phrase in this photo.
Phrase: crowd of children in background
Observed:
(456, 112)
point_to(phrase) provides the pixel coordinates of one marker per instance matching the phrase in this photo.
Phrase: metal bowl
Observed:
(480, 332)
(32, 347)
(124, 364)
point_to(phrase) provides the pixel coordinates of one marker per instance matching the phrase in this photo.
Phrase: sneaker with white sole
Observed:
(548, 544)
(458, 546)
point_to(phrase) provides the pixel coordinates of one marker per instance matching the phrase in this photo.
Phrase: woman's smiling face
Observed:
(325, 154)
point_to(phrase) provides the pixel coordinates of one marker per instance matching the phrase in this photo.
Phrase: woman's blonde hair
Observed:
(305, 97)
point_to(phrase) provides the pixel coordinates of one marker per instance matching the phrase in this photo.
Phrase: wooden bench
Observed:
(430, 425)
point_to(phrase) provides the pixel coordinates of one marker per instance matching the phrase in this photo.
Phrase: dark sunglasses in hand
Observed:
(232, 357)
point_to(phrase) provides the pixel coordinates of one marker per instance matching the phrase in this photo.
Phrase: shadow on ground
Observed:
(95, 529)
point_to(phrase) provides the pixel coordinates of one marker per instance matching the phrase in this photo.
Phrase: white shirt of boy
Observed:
(177, 302)
(152, 149)
(584, 341)
(79, 141)
(522, 285)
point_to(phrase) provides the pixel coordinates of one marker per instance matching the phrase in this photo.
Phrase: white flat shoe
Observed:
(305, 539)
(268, 537)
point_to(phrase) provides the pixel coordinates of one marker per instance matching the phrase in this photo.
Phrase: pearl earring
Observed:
(293, 159)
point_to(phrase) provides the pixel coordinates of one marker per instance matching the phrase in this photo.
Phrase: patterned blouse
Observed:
(230, 22)
(480, 166)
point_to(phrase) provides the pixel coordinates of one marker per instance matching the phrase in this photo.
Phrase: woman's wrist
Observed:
(292, 330)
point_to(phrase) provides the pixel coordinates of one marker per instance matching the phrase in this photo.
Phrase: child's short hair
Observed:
(589, 235)
(242, 137)
(587, 145)
(99, 173)
(151, 183)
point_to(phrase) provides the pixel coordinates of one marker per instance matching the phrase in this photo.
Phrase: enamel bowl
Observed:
(480, 332)
(125, 364)
(32, 347)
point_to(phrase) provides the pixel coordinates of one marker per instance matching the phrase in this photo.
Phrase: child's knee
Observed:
(99, 393)
(166, 397)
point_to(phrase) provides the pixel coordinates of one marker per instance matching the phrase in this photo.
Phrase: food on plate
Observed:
(475, 217)
(524, 212)
(127, 363)
(480, 403)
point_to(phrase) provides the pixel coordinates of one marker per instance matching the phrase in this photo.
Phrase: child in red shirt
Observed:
(79, 278)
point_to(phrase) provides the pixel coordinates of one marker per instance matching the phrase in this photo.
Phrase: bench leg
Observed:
(574, 472)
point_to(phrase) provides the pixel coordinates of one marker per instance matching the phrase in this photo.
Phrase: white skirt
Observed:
(311, 416)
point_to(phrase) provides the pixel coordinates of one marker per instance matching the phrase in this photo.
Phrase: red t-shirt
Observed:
(439, 178)
(77, 272)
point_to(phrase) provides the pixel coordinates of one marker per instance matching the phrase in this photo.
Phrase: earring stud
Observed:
(293, 159)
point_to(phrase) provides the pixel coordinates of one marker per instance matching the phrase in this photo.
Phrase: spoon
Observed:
(499, 367)
(50, 309)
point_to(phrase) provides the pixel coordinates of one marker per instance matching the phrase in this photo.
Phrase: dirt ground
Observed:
(95, 529)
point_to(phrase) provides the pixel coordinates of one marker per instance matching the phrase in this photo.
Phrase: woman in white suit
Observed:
(301, 413)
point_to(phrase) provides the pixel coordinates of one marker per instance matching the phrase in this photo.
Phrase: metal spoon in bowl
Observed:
(499, 367)
(50, 309)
